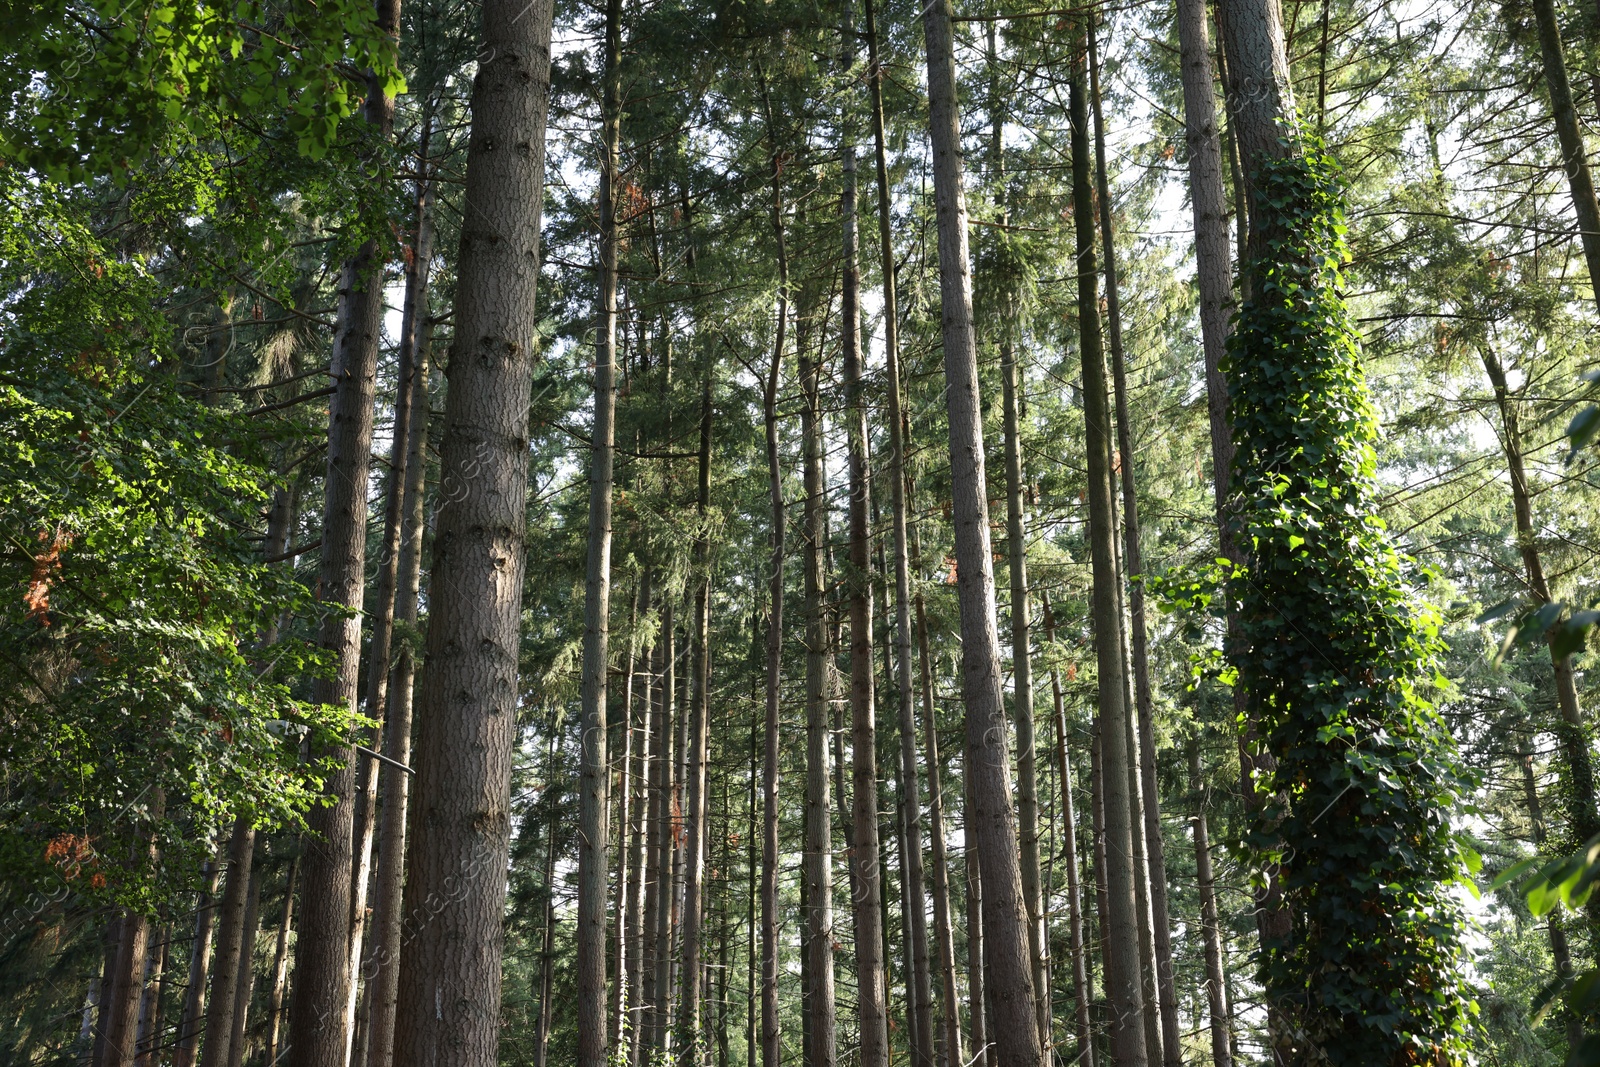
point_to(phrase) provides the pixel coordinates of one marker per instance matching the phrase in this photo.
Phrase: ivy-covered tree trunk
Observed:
(466, 709)
(991, 822)
(1336, 650)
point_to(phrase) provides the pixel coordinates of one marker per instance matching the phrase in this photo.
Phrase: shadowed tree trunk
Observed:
(280, 964)
(194, 995)
(991, 821)
(1569, 135)
(223, 1001)
(449, 1001)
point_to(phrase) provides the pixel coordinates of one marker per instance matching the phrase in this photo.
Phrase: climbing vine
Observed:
(1337, 657)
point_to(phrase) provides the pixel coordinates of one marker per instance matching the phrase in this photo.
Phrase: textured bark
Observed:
(245, 974)
(149, 1034)
(194, 996)
(318, 1019)
(120, 1010)
(231, 925)
(280, 965)
(382, 966)
(449, 1001)
(1139, 643)
(595, 775)
(1210, 928)
(1083, 991)
(694, 954)
(819, 993)
(1126, 1003)
(954, 1053)
(867, 899)
(1213, 259)
(918, 982)
(991, 821)
(1260, 98)
(1569, 134)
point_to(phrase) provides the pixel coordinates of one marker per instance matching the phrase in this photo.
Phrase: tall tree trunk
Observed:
(231, 922)
(694, 954)
(449, 1001)
(385, 604)
(1150, 806)
(541, 1040)
(617, 1016)
(666, 832)
(1584, 813)
(1011, 387)
(819, 935)
(1560, 951)
(194, 995)
(120, 1012)
(319, 1034)
(977, 985)
(944, 937)
(280, 964)
(633, 904)
(148, 1042)
(245, 975)
(1123, 992)
(1569, 134)
(871, 991)
(771, 1048)
(991, 821)
(919, 981)
(382, 969)
(594, 799)
(1210, 928)
(1083, 992)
